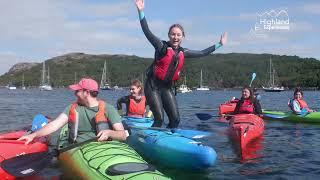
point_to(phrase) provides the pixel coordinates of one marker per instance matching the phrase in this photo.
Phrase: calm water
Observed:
(287, 150)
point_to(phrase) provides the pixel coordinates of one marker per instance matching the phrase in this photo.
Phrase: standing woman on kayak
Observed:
(165, 70)
(297, 104)
(248, 104)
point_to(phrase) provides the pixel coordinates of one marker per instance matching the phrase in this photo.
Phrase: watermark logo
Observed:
(272, 21)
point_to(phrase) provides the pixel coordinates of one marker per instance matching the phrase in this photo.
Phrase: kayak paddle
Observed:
(30, 164)
(252, 78)
(38, 122)
(187, 133)
(206, 116)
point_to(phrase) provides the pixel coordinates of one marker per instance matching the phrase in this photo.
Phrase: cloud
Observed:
(311, 8)
(302, 26)
(239, 17)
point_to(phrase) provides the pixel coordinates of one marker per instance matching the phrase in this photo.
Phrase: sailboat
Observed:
(183, 88)
(271, 85)
(104, 85)
(45, 81)
(201, 87)
(11, 86)
(22, 84)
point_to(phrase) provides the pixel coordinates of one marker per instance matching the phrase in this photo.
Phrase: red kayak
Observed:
(227, 107)
(10, 147)
(244, 128)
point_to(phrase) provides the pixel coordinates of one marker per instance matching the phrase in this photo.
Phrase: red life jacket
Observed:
(137, 109)
(302, 104)
(73, 123)
(169, 66)
(246, 107)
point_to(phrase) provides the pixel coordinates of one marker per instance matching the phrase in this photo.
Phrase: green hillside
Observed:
(219, 70)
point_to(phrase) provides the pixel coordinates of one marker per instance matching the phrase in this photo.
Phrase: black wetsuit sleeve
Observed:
(199, 53)
(257, 107)
(154, 40)
(124, 99)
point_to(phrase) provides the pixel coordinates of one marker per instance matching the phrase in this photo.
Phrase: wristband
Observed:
(141, 15)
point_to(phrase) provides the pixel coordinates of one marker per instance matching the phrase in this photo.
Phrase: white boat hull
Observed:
(45, 88)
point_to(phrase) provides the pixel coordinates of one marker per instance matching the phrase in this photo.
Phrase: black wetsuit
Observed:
(159, 93)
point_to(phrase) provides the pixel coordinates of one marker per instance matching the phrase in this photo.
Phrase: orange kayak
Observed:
(10, 147)
(227, 107)
(244, 128)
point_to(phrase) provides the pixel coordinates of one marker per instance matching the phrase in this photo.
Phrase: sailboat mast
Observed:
(103, 76)
(201, 78)
(75, 77)
(22, 80)
(270, 73)
(274, 71)
(142, 78)
(48, 76)
(43, 72)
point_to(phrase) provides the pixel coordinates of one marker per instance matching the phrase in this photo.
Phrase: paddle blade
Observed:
(204, 116)
(38, 122)
(252, 78)
(27, 164)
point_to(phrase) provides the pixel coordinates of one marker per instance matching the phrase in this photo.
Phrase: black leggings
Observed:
(160, 96)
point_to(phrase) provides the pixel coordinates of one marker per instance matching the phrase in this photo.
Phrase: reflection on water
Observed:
(252, 152)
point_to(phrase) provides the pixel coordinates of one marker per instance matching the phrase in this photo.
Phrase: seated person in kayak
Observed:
(297, 104)
(87, 113)
(256, 94)
(247, 104)
(135, 102)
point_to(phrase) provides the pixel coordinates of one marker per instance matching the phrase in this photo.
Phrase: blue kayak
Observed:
(135, 122)
(170, 148)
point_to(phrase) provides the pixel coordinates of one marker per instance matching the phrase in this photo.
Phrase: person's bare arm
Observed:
(51, 127)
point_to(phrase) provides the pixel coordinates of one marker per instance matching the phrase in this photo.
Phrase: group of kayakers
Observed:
(89, 113)
(249, 103)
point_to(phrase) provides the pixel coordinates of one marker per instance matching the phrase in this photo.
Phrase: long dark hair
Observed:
(298, 90)
(251, 97)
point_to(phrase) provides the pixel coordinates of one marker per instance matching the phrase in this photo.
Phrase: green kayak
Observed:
(313, 117)
(103, 160)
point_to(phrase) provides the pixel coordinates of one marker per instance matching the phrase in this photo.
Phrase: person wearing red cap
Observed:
(88, 113)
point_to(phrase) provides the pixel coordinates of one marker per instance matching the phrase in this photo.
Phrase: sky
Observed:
(36, 30)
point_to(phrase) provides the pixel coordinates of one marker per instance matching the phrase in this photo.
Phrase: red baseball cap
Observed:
(85, 83)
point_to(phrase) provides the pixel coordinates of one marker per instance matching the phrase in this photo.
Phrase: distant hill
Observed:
(219, 70)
